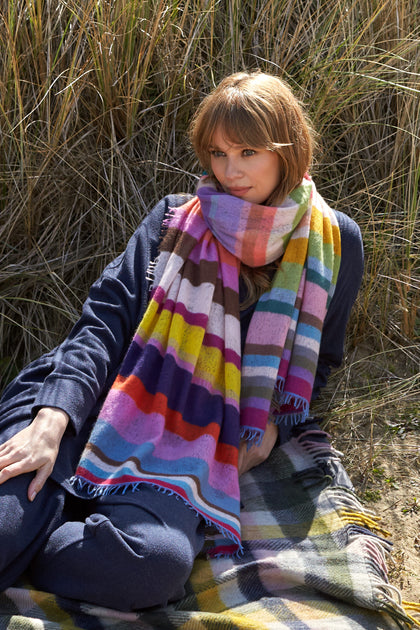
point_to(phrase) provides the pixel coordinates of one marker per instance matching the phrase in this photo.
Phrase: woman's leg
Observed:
(25, 525)
(135, 551)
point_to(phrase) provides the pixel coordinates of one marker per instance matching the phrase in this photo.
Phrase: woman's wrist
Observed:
(52, 418)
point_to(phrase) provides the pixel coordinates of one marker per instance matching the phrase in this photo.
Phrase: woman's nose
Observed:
(232, 169)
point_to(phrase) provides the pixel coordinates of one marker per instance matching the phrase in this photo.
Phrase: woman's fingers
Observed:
(16, 461)
(34, 449)
(38, 481)
(14, 457)
(21, 467)
(11, 470)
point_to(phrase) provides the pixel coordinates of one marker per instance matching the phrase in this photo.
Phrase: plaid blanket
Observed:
(314, 559)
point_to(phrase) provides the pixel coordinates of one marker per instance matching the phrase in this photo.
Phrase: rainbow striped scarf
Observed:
(183, 397)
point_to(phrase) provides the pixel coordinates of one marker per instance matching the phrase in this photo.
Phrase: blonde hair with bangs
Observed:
(257, 110)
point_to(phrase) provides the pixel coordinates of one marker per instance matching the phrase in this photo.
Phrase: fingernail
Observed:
(32, 496)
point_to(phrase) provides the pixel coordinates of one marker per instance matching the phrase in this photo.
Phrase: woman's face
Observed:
(252, 174)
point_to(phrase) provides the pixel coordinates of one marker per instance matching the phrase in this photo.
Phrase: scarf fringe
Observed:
(252, 436)
(287, 419)
(225, 552)
(95, 491)
(281, 398)
(169, 215)
(151, 270)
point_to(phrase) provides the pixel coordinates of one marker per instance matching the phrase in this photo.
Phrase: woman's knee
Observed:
(99, 563)
(164, 536)
(156, 562)
(169, 559)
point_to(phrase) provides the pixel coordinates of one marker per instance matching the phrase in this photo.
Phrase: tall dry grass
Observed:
(95, 100)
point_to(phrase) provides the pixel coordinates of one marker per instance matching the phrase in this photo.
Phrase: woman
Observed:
(245, 317)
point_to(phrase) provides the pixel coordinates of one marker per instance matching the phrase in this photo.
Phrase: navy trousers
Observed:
(126, 552)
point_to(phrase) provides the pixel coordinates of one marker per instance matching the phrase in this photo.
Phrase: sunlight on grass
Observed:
(95, 100)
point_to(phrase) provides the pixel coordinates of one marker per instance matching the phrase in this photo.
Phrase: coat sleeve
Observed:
(85, 365)
(348, 284)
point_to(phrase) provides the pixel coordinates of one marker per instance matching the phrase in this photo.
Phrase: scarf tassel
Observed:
(151, 270)
(299, 408)
(252, 436)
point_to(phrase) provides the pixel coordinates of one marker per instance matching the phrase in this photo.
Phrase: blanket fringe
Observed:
(411, 606)
(360, 522)
(364, 520)
(414, 607)
(398, 610)
(364, 523)
(320, 449)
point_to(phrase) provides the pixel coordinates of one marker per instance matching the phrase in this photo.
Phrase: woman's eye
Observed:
(215, 153)
(249, 152)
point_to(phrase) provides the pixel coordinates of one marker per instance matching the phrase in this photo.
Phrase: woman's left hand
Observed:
(257, 454)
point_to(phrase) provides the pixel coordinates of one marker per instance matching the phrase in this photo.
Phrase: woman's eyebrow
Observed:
(238, 145)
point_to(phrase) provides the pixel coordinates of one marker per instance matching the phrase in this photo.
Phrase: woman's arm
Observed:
(348, 284)
(85, 365)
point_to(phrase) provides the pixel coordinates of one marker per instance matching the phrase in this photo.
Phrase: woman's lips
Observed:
(238, 192)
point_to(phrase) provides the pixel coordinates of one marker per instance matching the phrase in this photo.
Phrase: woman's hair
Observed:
(259, 111)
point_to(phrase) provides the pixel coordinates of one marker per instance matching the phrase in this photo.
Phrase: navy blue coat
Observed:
(77, 375)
